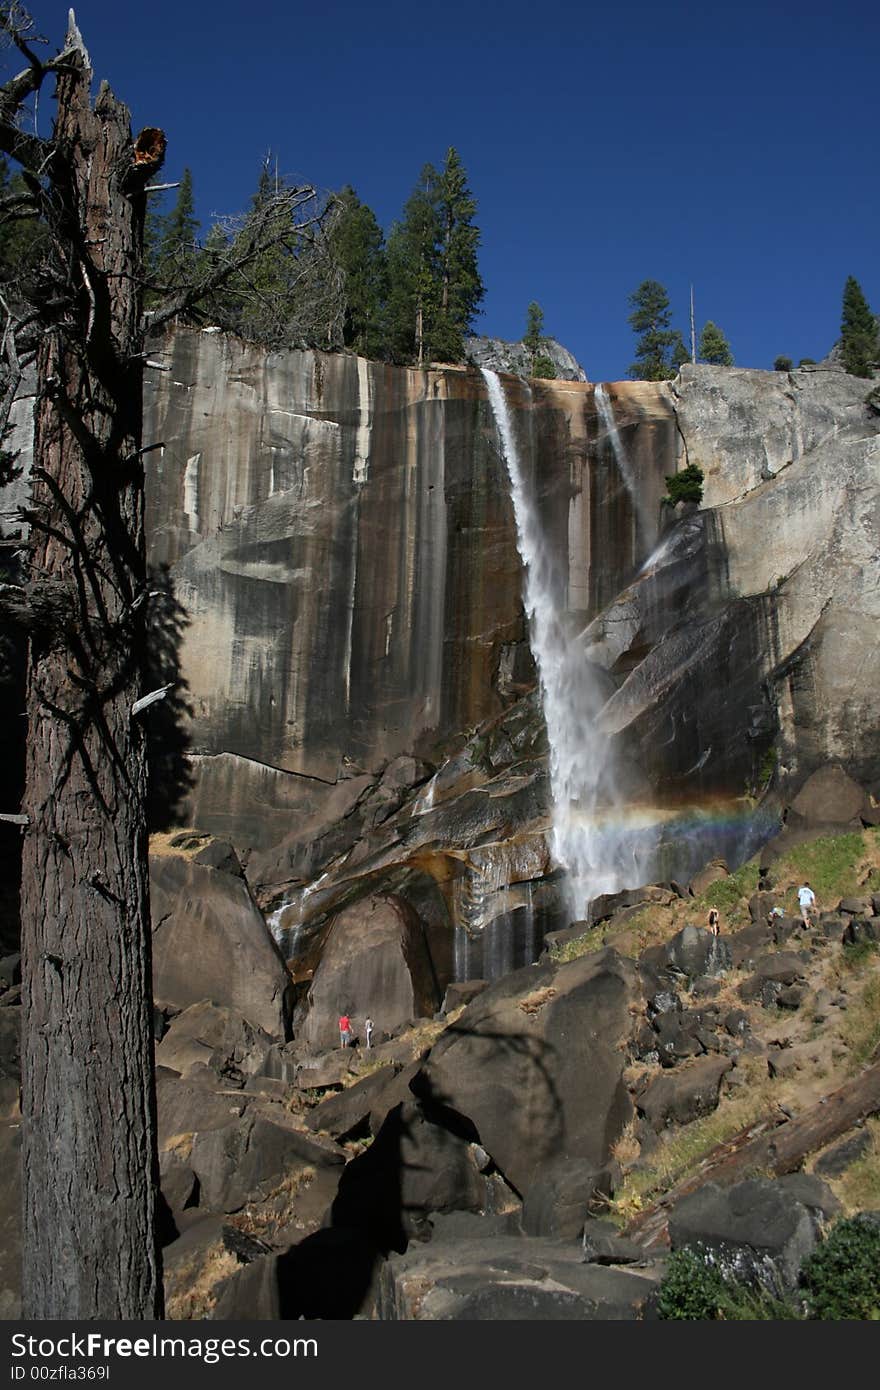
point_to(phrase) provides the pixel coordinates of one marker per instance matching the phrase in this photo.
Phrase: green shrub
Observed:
(686, 486)
(842, 1277)
(543, 367)
(783, 364)
(694, 1289)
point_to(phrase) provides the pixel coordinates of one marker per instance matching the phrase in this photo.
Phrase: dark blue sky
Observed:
(733, 146)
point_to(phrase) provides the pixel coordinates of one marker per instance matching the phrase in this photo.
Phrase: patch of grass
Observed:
(193, 1290)
(593, 939)
(860, 1027)
(683, 1148)
(859, 1186)
(726, 893)
(831, 864)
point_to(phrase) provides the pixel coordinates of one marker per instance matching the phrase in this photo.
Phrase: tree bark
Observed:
(88, 1124)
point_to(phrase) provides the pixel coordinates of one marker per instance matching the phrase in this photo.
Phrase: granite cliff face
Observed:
(364, 714)
(341, 535)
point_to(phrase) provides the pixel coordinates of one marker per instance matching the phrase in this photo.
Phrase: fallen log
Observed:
(768, 1147)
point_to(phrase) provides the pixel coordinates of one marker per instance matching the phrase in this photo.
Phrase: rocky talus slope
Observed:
(537, 1146)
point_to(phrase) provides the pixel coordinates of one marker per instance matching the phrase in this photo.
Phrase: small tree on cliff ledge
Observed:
(89, 1159)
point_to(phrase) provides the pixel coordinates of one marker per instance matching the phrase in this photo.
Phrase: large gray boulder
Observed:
(755, 1229)
(375, 963)
(685, 1094)
(506, 1279)
(250, 1158)
(204, 1035)
(363, 1106)
(696, 951)
(559, 1200)
(828, 797)
(535, 1065)
(210, 941)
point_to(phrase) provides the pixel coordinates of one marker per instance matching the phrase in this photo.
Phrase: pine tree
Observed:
(461, 288)
(358, 244)
(434, 282)
(714, 347)
(412, 271)
(858, 331)
(176, 237)
(533, 336)
(660, 349)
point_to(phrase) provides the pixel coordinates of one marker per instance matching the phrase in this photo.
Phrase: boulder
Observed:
(837, 1159)
(813, 1193)
(714, 872)
(856, 907)
(776, 971)
(609, 904)
(506, 1279)
(861, 930)
(828, 797)
(746, 944)
(364, 1106)
(559, 1200)
(214, 1037)
(250, 1294)
(375, 962)
(602, 1244)
(248, 1159)
(184, 1108)
(760, 906)
(210, 941)
(676, 1038)
(413, 1168)
(535, 1064)
(685, 1094)
(461, 992)
(696, 951)
(755, 1229)
(328, 1069)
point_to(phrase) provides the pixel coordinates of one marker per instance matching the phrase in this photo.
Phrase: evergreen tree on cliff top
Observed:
(714, 347)
(434, 282)
(660, 349)
(171, 242)
(358, 244)
(859, 343)
(461, 288)
(412, 283)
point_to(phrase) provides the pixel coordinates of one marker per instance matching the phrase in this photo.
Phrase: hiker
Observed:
(714, 921)
(806, 902)
(368, 1031)
(344, 1030)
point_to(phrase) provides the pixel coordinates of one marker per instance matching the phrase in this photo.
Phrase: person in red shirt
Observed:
(344, 1030)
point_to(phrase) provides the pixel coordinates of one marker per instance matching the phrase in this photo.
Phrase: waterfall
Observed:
(591, 842)
(605, 410)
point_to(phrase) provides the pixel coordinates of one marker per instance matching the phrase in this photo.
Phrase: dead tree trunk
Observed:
(88, 1131)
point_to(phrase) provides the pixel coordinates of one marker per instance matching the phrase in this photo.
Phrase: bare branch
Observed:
(153, 698)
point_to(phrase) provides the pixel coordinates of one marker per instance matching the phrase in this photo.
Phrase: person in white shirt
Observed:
(806, 902)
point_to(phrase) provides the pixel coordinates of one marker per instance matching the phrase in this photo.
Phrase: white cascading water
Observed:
(605, 411)
(597, 851)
